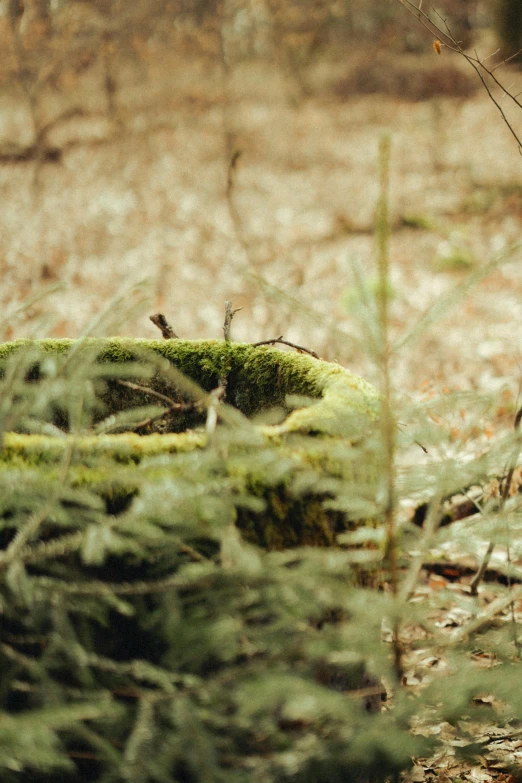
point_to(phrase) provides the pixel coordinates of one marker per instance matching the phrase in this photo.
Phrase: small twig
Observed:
(163, 397)
(229, 314)
(279, 339)
(212, 401)
(479, 576)
(172, 406)
(489, 56)
(232, 164)
(163, 325)
(268, 342)
(476, 63)
(511, 57)
(219, 394)
(425, 450)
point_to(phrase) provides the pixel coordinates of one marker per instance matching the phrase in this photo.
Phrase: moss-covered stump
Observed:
(257, 379)
(95, 385)
(143, 638)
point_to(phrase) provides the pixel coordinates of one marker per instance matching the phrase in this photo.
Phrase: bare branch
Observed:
(232, 165)
(511, 57)
(479, 576)
(163, 325)
(444, 33)
(229, 314)
(173, 405)
(279, 339)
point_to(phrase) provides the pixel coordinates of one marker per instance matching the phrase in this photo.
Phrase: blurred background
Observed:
(228, 149)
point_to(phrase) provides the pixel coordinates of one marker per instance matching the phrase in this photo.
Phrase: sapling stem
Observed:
(387, 417)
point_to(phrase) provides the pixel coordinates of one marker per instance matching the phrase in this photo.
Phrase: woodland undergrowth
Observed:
(151, 642)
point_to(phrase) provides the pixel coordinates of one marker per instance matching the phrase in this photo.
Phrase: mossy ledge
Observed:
(258, 378)
(119, 467)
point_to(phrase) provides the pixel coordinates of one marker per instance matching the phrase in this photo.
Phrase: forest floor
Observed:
(139, 210)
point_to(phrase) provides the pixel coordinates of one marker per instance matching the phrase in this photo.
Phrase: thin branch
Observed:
(476, 63)
(163, 325)
(163, 397)
(268, 342)
(70, 114)
(229, 315)
(231, 171)
(479, 576)
(194, 554)
(172, 405)
(493, 55)
(511, 57)
(279, 339)
(220, 393)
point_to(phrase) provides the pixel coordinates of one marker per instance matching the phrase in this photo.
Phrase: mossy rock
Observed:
(263, 383)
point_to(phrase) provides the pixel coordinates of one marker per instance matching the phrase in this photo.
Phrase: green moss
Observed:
(116, 468)
(126, 449)
(257, 379)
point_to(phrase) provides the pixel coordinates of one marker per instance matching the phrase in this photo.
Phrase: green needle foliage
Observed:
(143, 637)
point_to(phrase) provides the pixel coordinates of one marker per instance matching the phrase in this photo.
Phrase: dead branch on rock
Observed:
(229, 315)
(163, 325)
(219, 394)
(299, 348)
(174, 405)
